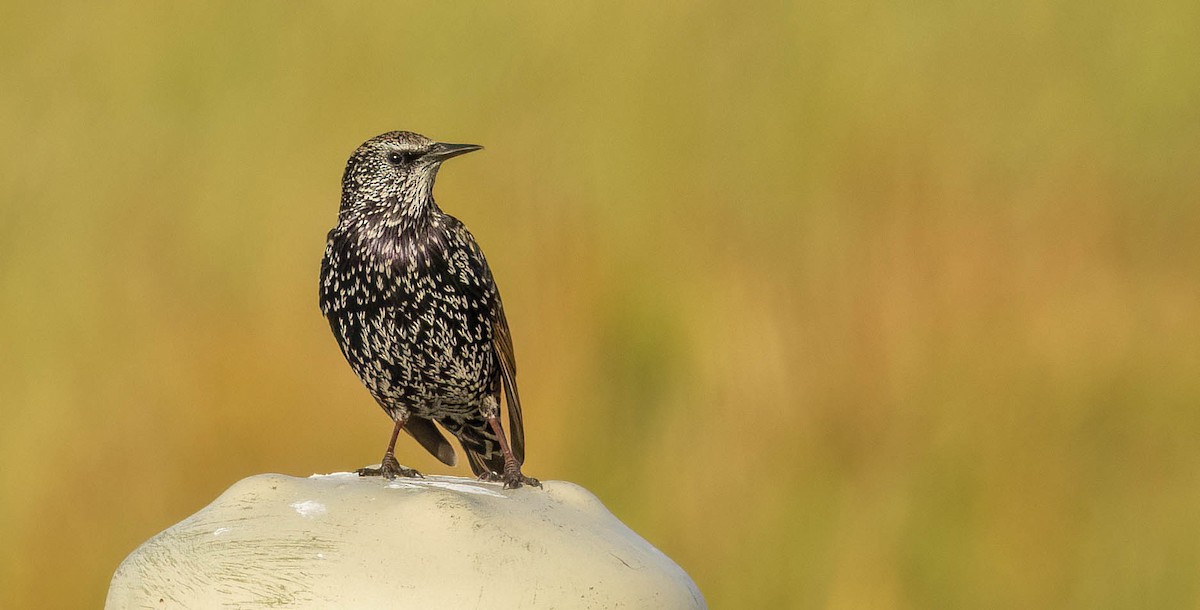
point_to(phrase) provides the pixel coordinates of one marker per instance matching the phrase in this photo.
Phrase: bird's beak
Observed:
(442, 151)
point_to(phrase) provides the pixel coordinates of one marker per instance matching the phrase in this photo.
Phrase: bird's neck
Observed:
(393, 214)
(393, 232)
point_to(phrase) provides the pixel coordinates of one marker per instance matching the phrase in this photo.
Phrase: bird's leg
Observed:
(389, 468)
(511, 476)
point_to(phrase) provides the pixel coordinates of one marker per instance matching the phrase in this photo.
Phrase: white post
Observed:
(342, 541)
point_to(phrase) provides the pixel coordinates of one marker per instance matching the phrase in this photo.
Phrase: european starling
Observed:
(414, 308)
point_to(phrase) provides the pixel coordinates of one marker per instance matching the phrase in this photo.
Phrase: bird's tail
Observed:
(480, 444)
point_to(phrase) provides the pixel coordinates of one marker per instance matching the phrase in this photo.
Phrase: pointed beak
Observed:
(442, 151)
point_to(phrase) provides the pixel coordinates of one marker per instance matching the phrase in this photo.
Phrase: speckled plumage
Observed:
(416, 312)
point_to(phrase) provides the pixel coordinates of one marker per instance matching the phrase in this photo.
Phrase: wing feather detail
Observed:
(502, 344)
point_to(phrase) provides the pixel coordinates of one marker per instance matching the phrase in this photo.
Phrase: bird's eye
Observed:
(400, 158)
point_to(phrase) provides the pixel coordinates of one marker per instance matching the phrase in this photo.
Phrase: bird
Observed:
(416, 312)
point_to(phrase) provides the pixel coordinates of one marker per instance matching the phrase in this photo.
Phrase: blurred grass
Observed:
(841, 306)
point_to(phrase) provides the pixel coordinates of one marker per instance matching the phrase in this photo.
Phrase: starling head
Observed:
(392, 174)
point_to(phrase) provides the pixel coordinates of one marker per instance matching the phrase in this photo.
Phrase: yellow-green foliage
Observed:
(840, 304)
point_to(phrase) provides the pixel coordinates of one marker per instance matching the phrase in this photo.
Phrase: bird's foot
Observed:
(513, 479)
(517, 480)
(389, 469)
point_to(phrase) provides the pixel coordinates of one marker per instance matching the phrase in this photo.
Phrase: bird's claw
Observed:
(512, 479)
(389, 469)
(517, 479)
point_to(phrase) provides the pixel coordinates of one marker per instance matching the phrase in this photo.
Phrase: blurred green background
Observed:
(841, 306)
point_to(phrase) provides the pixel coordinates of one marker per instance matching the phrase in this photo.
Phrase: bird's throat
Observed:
(403, 234)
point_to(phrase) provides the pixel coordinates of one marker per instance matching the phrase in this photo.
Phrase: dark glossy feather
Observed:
(415, 310)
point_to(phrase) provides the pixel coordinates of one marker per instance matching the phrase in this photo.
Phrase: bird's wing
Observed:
(502, 345)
